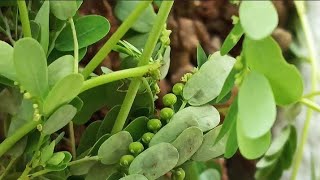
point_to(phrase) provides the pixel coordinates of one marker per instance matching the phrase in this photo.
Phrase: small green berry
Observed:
(154, 125)
(180, 174)
(178, 89)
(146, 137)
(166, 113)
(136, 148)
(169, 99)
(126, 160)
(27, 95)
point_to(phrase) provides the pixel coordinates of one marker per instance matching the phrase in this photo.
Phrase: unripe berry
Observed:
(169, 99)
(146, 137)
(180, 174)
(126, 160)
(166, 113)
(136, 148)
(154, 125)
(178, 89)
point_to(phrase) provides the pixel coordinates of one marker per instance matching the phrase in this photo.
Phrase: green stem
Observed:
(39, 173)
(312, 94)
(21, 132)
(118, 75)
(312, 53)
(72, 140)
(310, 104)
(75, 46)
(144, 59)
(107, 47)
(24, 17)
(8, 168)
(184, 103)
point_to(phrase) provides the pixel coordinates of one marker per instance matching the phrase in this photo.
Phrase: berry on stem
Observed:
(178, 89)
(154, 125)
(169, 99)
(179, 174)
(146, 137)
(136, 148)
(126, 160)
(166, 114)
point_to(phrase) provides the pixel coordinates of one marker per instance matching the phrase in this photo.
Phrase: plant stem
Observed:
(21, 132)
(300, 6)
(72, 140)
(312, 94)
(107, 47)
(39, 173)
(8, 168)
(144, 59)
(118, 75)
(310, 104)
(75, 46)
(24, 17)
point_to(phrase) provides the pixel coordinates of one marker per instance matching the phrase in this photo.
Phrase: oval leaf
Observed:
(258, 18)
(63, 9)
(63, 92)
(108, 122)
(155, 161)
(86, 141)
(42, 19)
(6, 64)
(31, 66)
(59, 119)
(164, 69)
(256, 93)
(265, 56)
(252, 148)
(232, 39)
(137, 127)
(207, 83)
(134, 177)
(90, 29)
(115, 147)
(60, 68)
(187, 143)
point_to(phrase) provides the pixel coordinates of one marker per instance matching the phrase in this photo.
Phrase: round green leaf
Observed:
(210, 149)
(63, 9)
(60, 68)
(207, 83)
(172, 130)
(256, 104)
(90, 29)
(210, 174)
(42, 19)
(265, 56)
(86, 141)
(137, 127)
(63, 92)
(100, 171)
(187, 143)
(207, 116)
(59, 119)
(115, 147)
(108, 122)
(6, 64)
(56, 159)
(258, 18)
(134, 177)
(278, 144)
(155, 161)
(31, 66)
(252, 148)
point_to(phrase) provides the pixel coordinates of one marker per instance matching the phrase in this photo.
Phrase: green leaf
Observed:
(82, 168)
(29, 55)
(258, 18)
(279, 143)
(265, 57)
(187, 143)
(59, 119)
(207, 83)
(232, 39)
(255, 92)
(56, 159)
(77, 103)
(137, 127)
(90, 29)
(210, 149)
(6, 64)
(144, 22)
(227, 86)
(42, 19)
(252, 148)
(134, 177)
(155, 161)
(63, 92)
(100, 171)
(35, 30)
(164, 69)
(47, 152)
(18, 149)
(210, 174)
(60, 68)
(90, 133)
(229, 120)
(95, 148)
(172, 130)
(108, 122)
(207, 116)
(115, 147)
(63, 9)
(115, 176)
(232, 143)
(201, 56)
(56, 54)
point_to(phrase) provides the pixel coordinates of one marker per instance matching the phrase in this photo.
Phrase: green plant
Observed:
(44, 91)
